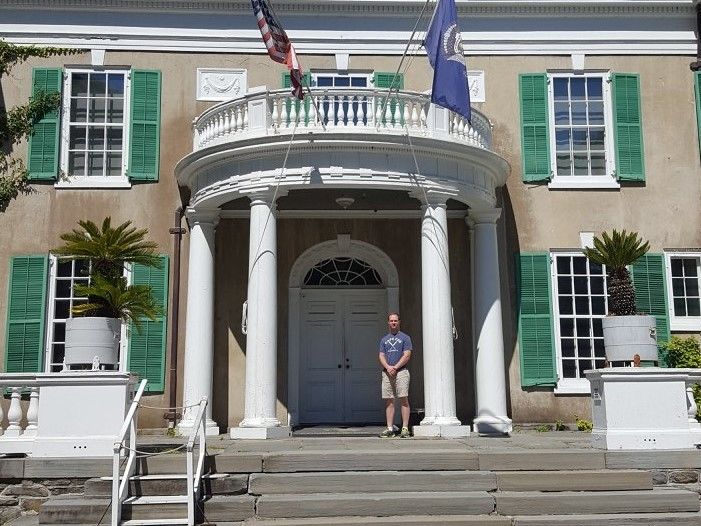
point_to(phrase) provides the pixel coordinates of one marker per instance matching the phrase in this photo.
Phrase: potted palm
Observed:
(626, 332)
(93, 334)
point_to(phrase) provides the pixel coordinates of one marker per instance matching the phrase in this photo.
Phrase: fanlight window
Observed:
(342, 272)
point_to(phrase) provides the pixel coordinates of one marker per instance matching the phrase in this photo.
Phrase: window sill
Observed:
(74, 183)
(576, 387)
(685, 325)
(583, 183)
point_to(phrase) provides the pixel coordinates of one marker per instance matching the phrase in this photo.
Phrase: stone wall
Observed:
(25, 497)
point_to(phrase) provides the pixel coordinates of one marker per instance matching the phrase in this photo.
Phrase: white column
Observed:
(199, 324)
(437, 326)
(260, 420)
(490, 373)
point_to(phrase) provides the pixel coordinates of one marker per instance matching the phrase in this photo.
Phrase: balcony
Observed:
(356, 137)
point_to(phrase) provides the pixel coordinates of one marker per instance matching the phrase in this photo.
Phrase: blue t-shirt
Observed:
(394, 345)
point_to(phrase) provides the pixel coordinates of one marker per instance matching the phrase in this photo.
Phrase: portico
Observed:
(435, 159)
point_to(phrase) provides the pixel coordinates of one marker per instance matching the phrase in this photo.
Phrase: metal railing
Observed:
(120, 484)
(194, 476)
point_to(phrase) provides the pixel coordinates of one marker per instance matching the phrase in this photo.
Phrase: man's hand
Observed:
(391, 370)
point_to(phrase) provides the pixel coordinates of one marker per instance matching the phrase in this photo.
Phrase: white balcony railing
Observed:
(67, 414)
(362, 110)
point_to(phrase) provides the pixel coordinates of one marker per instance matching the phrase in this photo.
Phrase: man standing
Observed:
(395, 353)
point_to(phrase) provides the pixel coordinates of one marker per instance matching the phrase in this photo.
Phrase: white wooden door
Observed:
(339, 372)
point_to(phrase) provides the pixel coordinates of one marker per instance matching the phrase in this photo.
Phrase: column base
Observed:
(184, 428)
(436, 431)
(260, 433)
(492, 425)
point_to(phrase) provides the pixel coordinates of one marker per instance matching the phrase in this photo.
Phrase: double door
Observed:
(339, 371)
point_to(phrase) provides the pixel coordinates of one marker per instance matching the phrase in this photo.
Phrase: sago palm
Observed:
(115, 298)
(108, 248)
(616, 252)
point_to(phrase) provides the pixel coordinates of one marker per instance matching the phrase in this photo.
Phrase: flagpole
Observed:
(316, 106)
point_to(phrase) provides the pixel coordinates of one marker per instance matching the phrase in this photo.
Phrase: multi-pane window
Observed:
(95, 105)
(580, 304)
(684, 276)
(65, 273)
(348, 109)
(342, 272)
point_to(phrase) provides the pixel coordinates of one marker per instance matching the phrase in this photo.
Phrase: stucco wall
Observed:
(664, 210)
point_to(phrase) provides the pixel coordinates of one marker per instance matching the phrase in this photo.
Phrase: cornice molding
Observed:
(381, 7)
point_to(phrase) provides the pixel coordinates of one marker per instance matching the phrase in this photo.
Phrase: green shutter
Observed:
(384, 81)
(535, 141)
(145, 126)
(26, 306)
(43, 142)
(536, 339)
(628, 126)
(648, 274)
(307, 81)
(697, 92)
(147, 349)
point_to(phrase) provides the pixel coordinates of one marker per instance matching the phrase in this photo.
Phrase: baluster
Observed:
(406, 116)
(341, 101)
(275, 114)
(414, 115)
(313, 101)
(305, 109)
(32, 413)
(284, 113)
(423, 117)
(461, 128)
(361, 111)
(239, 119)
(14, 414)
(227, 122)
(388, 113)
(691, 406)
(293, 112)
(378, 111)
(220, 125)
(397, 113)
(2, 416)
(244, 111)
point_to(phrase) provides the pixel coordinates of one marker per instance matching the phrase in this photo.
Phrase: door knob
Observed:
(347, 366)
(339, 366)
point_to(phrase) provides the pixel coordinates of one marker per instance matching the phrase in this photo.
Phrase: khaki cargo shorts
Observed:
(396, 387)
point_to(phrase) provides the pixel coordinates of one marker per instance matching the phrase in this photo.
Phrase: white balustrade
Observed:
(364, 110)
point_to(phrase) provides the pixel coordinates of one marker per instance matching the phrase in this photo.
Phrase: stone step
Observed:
(220, 484)
(619, 519)
(418, 460)
(595, 480)
(371, 481)
(415, 520)
(89, 510)
(662, 500)
(542, 460)
(377, 504)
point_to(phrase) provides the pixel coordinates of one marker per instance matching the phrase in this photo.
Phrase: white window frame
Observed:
(51, 312)
(565, 386)
(681, 323)
(335, 73)
(68, 181)
(576, 181)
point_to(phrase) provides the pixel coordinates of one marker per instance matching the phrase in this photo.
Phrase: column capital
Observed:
(486, 215)
(430, 198)
(202, 216)
(267, 195)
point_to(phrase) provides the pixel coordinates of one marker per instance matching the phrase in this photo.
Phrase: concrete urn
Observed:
(92, 341)
(626, 336)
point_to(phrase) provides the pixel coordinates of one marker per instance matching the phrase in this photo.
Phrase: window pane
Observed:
(560, 88)
(96, 138)
(597, 285)
(79, 110)
(583, 347)
(596, 138)
(679, 307)
(562, 113)
(563, 265)
(114, 164)
(598, 305)
(594, 90)
(97, 110)
(693, 307)
(579, 139)
(677, 267)
(577, 88)
(581, 305)
(115, 85)
(569, 369)
(98, 84)
(115, 110)
(342, 82)
(597, 327)
(562, 141)
(564, 285)
(95, 164)
(678, 287)
(82, 267)
(359, 82)
(599, 349)
(324, 82)
(584, 365)
(583, 327)
(567, 347)
(580, 265)
(76, 140)
(579, 113)
(59, 332)
(564, 165)
(63, 288)
(598, 164)
(566, 327)
(565, 303)
(62, 310)
(692, 286)
(690, 266)
(596, 113)
(114, 138)
(76, 164)
(581, 164)
(79, 85)
(595, 268)
(581, 285)
(64, 268)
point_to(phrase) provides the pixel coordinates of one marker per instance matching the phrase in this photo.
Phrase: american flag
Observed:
(278, 45)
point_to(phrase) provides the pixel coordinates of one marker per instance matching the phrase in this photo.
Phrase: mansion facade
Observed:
(307, 222)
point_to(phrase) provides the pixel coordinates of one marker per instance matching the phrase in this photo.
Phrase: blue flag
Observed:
(443, 45)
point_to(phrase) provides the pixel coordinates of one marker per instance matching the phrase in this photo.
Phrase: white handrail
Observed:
(120, 488)
(194, 476)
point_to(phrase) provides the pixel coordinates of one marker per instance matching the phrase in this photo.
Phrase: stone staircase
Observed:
(391, 482)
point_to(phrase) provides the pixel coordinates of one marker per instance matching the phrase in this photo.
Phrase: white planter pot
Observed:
(626, 336)
(92, 340)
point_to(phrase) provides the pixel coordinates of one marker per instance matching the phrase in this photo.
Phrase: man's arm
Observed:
(403, 360)
(391, 369)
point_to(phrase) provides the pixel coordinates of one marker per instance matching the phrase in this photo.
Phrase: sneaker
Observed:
(387, 433)
(405, 433)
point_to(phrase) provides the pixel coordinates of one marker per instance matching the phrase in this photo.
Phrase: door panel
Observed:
(321, 387)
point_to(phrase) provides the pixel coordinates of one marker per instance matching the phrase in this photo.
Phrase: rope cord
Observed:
(146, 454)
